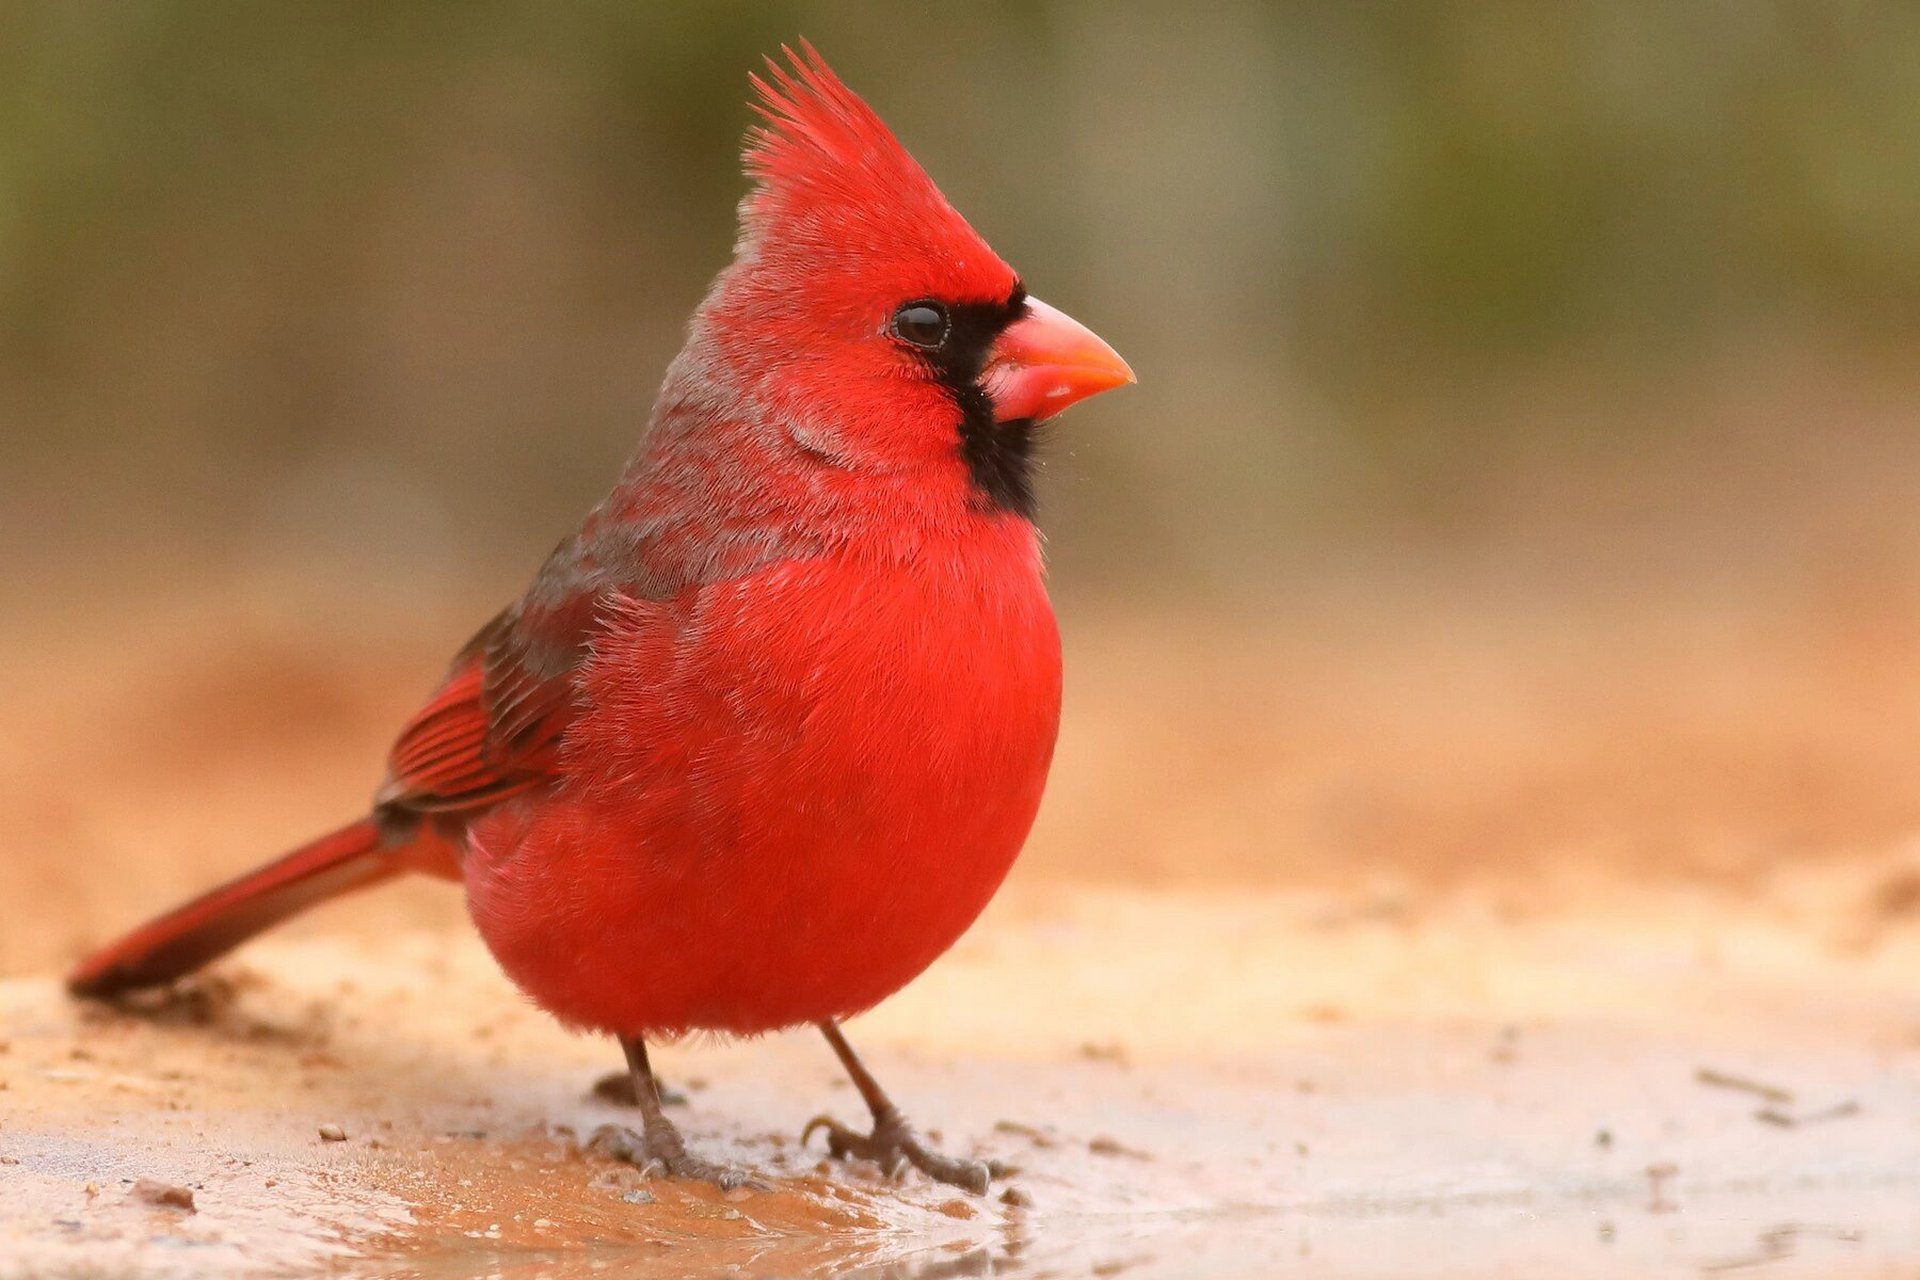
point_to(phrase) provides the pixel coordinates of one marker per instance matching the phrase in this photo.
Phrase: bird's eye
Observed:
(924, 324)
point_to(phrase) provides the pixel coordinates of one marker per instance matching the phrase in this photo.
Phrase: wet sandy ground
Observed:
(1381, 940)
(1192, 1083)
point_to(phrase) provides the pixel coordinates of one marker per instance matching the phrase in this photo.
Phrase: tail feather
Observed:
(219, 920)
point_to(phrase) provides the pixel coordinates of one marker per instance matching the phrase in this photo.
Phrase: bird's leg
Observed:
(893, 1144)
(658, 1146)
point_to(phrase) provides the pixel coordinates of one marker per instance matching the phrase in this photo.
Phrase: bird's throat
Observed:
(999, 455)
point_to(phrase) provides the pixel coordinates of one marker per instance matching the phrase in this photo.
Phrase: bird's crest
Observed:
(829, 174)
(815, 125)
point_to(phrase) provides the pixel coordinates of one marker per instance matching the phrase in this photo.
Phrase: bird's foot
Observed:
(659, 1149)
(893, 1145)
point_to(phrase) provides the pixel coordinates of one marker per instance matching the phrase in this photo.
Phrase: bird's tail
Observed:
(219, 920)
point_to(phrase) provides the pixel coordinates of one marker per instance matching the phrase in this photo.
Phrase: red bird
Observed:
(766, 733)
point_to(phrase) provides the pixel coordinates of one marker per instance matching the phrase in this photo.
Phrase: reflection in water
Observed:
(854, 1259)
(974, 1262)
(1308, 1243)
(1779, 1243)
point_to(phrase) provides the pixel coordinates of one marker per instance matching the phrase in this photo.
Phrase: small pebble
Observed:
(1027, 1131)
(166, 1194)
(956, 1208)
(1016, 1198)
(332, 1133)
(638, 1197)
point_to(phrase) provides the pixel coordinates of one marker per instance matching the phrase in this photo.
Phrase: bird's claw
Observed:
(893, 1145)
(660, 1151)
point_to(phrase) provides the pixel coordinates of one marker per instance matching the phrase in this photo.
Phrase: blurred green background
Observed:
(1597, 289)
(1524, 474)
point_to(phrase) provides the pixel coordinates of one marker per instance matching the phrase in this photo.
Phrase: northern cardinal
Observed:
(766, 733)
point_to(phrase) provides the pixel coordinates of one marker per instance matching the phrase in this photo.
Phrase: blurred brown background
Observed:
(1524, 475)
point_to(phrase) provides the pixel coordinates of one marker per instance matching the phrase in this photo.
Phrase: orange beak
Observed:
(1047, 360)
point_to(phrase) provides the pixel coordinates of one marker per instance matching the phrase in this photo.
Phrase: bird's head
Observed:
(865, 315)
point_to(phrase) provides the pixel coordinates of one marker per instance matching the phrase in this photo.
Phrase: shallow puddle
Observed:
(1874, 1234)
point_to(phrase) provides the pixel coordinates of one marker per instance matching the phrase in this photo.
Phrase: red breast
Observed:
(791, 793)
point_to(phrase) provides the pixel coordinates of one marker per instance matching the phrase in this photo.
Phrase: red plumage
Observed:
(765, 734)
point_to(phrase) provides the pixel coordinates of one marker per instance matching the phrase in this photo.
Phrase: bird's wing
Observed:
(494, 726)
